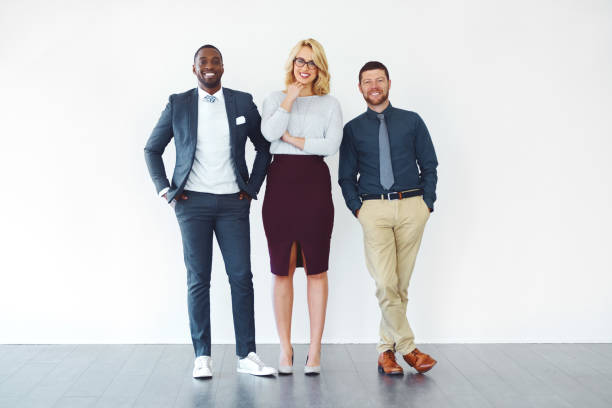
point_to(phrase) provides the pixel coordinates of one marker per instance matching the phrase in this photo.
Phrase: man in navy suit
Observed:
(211, 192)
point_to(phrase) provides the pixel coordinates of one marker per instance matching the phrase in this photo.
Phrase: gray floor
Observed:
(473, 375)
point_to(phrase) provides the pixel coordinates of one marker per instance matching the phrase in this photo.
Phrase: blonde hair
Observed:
(320, 86)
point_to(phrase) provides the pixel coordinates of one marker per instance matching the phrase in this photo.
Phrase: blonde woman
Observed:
(303, 124)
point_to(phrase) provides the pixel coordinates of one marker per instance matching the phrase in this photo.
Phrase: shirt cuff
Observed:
(163, 191)
(281, 109)
(429, 203)
(354, 205)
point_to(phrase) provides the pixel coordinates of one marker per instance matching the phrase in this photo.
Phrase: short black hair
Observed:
(373, 65)
(207, 46)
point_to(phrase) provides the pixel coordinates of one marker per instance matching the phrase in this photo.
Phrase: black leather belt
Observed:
(392, 196)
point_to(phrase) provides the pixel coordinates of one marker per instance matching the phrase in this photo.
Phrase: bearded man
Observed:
(211, 192)
(391, 151)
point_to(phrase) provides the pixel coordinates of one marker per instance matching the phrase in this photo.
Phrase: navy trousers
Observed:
(225, 215)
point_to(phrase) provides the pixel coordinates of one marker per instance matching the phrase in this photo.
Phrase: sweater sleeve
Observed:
(332, 136)
(274, 119)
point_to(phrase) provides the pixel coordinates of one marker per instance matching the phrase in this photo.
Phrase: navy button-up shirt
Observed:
(413, 157)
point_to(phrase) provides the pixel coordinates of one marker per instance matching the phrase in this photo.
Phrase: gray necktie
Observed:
(384, 154)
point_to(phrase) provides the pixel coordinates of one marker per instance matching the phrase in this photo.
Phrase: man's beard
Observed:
(381, 99)
(210, 85)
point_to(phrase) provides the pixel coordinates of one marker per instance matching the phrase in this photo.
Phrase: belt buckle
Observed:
(389, 196)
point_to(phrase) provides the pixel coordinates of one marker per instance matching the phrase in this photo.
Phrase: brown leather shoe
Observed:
(388, 365)
(420, 361)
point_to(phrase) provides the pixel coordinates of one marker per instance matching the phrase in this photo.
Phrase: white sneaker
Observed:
(202, 367)
(252, 364)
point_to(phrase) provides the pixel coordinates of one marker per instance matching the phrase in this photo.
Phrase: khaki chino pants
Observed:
(392, 232)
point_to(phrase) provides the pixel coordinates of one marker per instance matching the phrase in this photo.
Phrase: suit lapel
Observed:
(230, 108)
(193, 117)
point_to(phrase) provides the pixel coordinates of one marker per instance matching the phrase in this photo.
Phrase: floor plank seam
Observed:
(76, 379)
(575, 378)
(466, 377)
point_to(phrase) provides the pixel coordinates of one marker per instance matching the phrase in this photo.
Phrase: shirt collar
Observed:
(219, 94)
(374, 115)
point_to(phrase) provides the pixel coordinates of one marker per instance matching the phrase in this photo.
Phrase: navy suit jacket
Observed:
(180, 120)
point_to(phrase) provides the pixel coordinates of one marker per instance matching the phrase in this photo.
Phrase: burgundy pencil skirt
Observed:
(298, 208)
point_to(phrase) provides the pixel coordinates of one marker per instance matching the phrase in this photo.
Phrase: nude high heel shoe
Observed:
(287, 370)
(308, 370)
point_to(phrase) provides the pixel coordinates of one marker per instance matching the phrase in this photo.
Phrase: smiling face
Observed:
(374, 87)
(208, 68)
(305, 74)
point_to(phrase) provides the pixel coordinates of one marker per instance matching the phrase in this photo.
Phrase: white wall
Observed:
(517, 97)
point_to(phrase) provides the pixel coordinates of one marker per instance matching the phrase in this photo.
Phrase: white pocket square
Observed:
(240, 120)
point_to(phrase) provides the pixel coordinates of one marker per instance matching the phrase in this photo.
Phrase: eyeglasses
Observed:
(300, 62)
